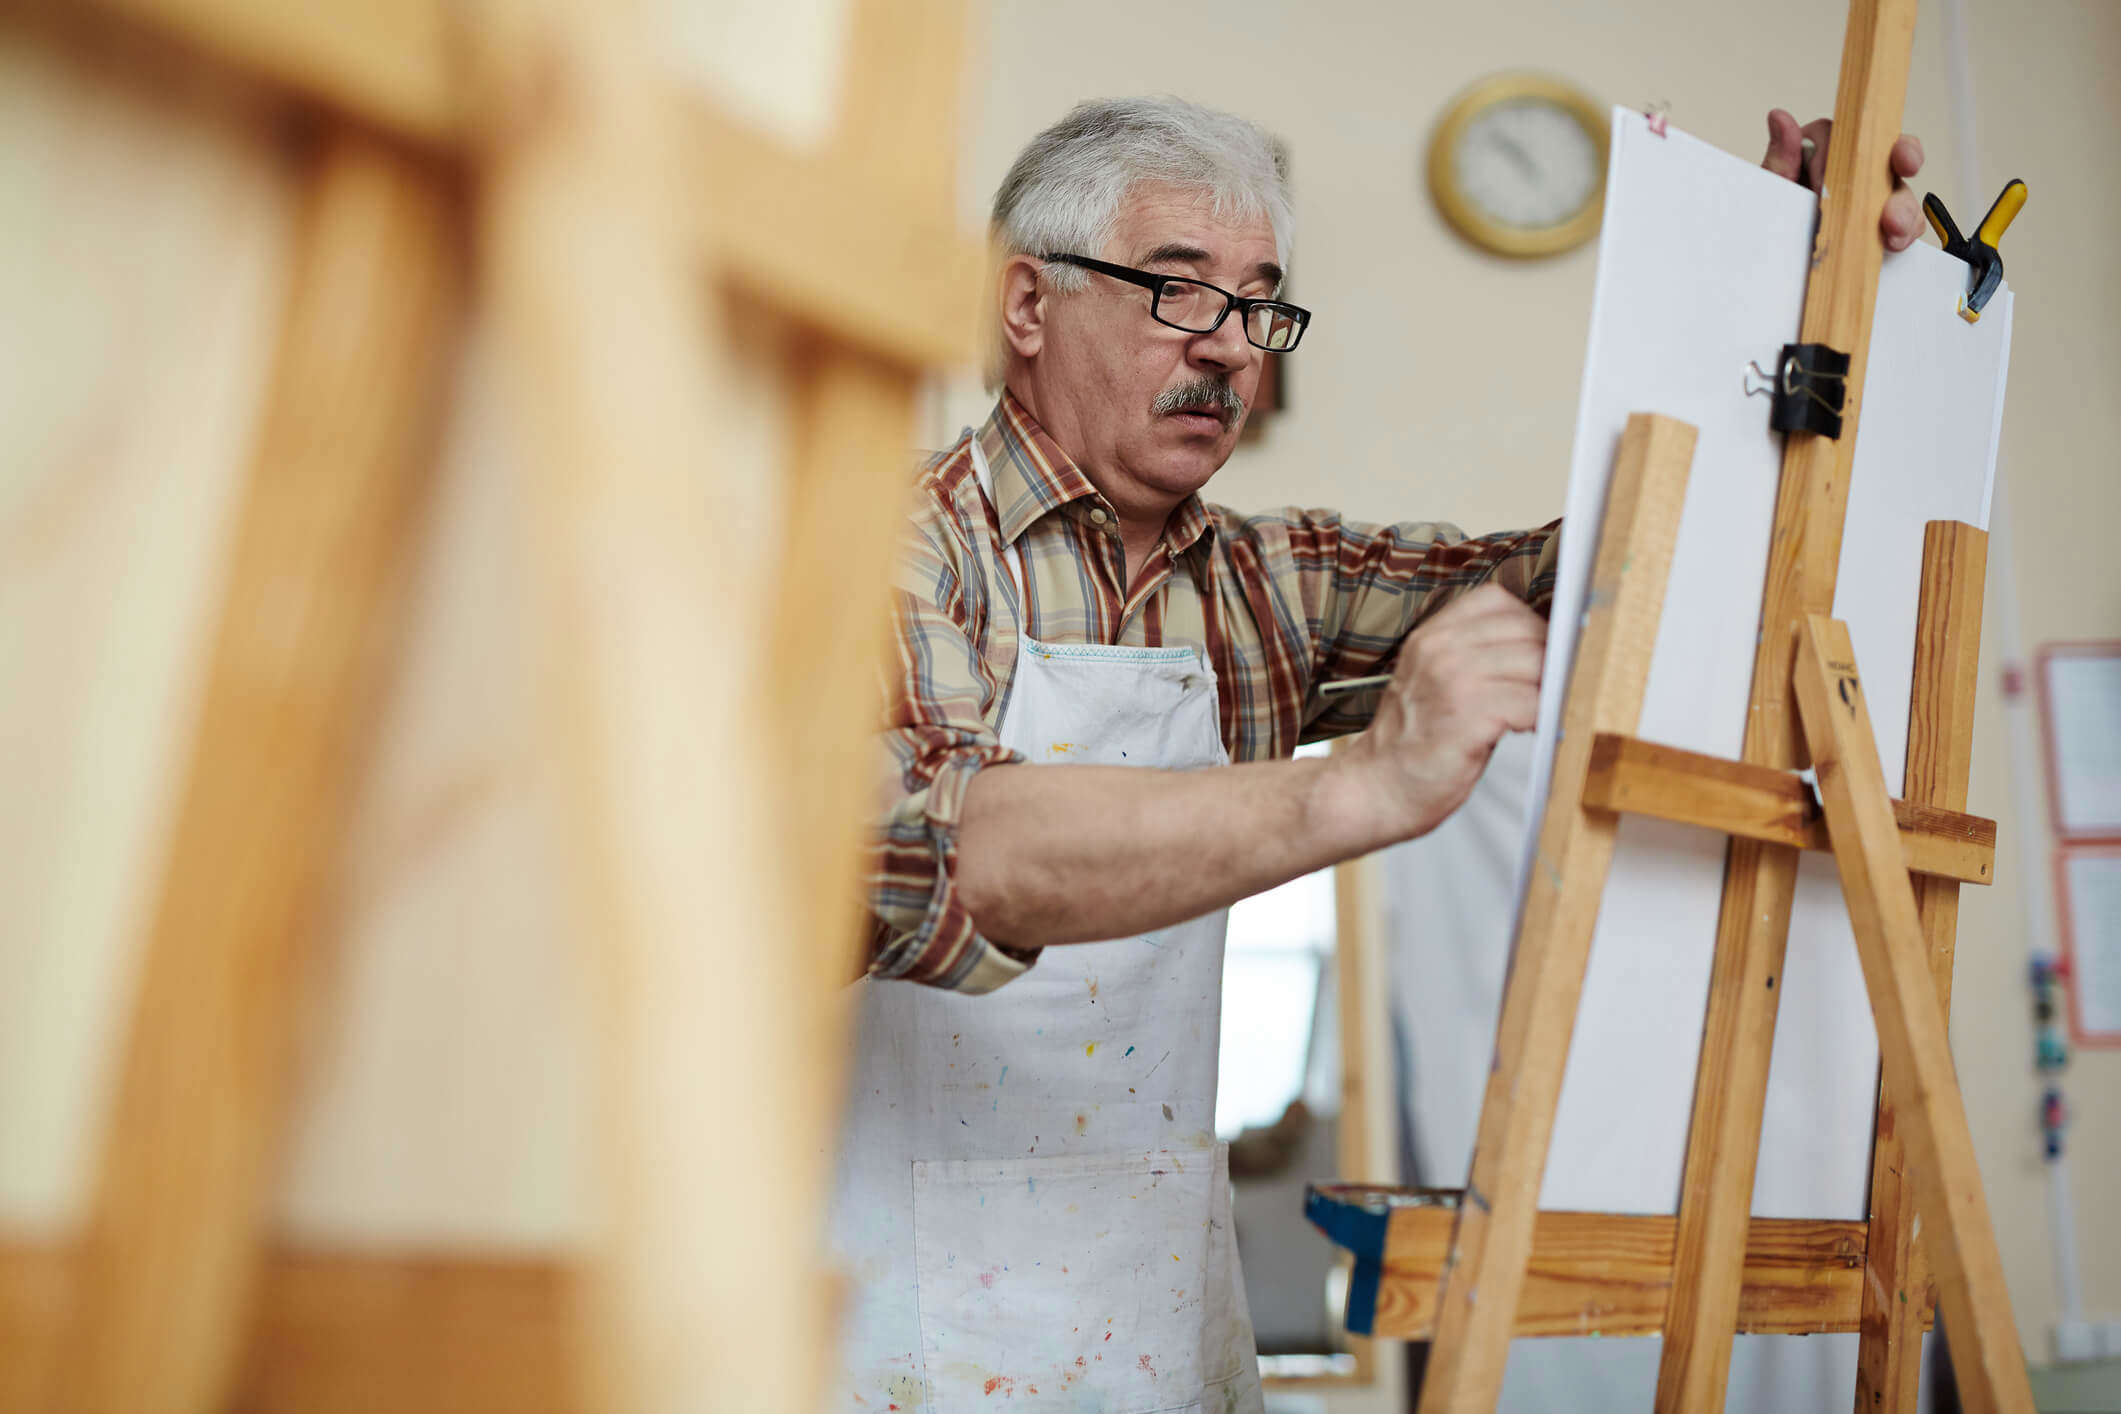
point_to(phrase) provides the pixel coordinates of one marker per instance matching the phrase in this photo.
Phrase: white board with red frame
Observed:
(2080, 711)
(2088, 906)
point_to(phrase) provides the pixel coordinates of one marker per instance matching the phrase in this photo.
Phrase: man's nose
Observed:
(1225, 349)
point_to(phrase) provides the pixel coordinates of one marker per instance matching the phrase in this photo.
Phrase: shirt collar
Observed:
(1033, 476)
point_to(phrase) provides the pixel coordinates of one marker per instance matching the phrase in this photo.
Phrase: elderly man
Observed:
(1033, 1201)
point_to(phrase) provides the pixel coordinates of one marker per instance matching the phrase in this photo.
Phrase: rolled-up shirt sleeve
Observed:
(939, 688)
(1366, 587)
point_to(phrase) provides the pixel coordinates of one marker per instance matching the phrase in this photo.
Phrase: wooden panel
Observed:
(1360, 989)
(902, 281)
(36, 1291)
(1760, 880)
(1839, 300)
(341, 1333)
(654, 574)
(1914, 1055)
(334, 486)
(1940, 749)
(852, 474)
(386, 61)
(853, 464)
(900, 113)
(1611, 1274)
(1637, 777)
(1492, 1237)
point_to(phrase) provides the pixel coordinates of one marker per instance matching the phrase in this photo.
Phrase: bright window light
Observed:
(1281, 942)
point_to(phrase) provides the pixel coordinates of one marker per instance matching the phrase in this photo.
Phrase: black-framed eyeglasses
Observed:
(1200, 308)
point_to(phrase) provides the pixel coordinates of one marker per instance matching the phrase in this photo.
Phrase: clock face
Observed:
(1517, 164)
(1527, 163)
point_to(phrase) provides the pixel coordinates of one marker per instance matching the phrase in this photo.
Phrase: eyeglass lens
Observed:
(1272, 328)
(1196, 307)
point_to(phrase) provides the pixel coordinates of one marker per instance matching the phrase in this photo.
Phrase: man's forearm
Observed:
(1071, 854)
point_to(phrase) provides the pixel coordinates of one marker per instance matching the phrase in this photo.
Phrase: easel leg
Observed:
(854, 436)
(1913, 1052)
(1939, 759)
(654, 588)
(1723, 1138)
(853, 428)
(166, 1273)
(1760, 881)
(1484, 1275)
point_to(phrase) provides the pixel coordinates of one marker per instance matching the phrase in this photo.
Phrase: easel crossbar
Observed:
(1635, 777)
(764, 213)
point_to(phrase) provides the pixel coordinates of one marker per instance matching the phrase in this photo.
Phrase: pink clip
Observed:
(1657, 114)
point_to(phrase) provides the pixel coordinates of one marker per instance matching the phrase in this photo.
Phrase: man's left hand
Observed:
(1899, 223)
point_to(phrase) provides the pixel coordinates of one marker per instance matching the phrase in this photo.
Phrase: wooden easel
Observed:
(709, 682)
(1496, 1265)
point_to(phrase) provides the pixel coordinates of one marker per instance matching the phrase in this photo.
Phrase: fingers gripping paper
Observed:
(1701, 270)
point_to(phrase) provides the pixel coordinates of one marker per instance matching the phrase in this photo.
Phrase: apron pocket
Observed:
(1079, 1281)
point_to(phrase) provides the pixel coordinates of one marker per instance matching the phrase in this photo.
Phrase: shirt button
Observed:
(1098, 515)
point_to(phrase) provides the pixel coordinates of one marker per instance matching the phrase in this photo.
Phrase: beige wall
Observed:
(2047, 82)
(1441, 382)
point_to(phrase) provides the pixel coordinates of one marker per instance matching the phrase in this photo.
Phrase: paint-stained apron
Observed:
(1033, 1210)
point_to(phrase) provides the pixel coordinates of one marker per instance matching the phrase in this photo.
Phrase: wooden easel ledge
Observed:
(1610, 1274)
(1631, 776)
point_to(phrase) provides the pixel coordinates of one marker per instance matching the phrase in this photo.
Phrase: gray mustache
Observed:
(1201, 395)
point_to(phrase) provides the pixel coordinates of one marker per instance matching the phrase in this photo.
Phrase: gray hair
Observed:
(1064, 191)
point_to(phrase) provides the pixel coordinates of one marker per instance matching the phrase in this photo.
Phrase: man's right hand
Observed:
(1068, 854)
(1464, 678)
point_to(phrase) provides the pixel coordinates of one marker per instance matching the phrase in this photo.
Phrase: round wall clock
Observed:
(1517, 164)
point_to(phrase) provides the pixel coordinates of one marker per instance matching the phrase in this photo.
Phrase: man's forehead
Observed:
(1156, 218)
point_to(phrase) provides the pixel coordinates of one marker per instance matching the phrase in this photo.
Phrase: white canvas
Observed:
(1701, 269)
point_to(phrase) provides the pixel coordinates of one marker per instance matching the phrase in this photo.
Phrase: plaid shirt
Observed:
(1281, 602)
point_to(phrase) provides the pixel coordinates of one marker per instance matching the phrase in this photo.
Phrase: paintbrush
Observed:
(1347, 685)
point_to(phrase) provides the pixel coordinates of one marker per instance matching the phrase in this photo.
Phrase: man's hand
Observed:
(1899, 223)
(1049, 854)
(1464, 678)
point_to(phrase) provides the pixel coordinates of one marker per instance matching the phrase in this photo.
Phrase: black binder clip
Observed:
(1808, 387)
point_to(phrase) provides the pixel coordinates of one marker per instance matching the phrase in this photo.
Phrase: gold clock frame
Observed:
(1469, 220)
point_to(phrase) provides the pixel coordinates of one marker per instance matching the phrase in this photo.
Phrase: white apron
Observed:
(1033, 1211)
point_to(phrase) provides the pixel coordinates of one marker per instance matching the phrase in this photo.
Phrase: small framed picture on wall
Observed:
(2080, 713)
(2088, 908)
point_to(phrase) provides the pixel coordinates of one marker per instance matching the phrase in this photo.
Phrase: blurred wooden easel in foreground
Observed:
(710, 686)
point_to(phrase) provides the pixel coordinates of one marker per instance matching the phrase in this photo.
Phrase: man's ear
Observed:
(1023, 306)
